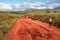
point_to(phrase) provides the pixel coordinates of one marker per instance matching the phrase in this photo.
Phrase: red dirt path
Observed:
(28, 29)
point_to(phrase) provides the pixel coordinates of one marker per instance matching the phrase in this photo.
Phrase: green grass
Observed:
(6, 26)
(41, 15)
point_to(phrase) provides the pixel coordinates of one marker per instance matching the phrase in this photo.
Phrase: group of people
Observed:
(50, 20)
(25, 17)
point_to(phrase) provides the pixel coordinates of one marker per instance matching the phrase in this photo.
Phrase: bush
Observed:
(44, 18)
(47, 11)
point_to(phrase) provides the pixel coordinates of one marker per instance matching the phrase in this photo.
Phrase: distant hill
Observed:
(57, 8)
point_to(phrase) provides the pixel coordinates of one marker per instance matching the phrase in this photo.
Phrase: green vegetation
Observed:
(8, 19)
(43, 15)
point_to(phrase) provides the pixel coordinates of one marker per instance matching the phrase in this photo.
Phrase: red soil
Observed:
(28, 29)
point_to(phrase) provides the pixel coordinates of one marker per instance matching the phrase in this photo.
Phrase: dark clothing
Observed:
(50, 23)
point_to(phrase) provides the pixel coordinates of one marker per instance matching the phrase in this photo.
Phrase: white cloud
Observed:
(35, 5)
(55, 1)
(28, 5)
(16, 5)
(53, 5)
(5, 6)
(41, 5)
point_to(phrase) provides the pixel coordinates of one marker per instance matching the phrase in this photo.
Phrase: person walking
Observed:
(26, 16)
(50, 21)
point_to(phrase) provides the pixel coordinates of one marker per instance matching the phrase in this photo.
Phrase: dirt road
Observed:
(28, 29)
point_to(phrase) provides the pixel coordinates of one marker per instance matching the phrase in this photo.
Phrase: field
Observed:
(8, 19)
(6, 22)
(43, 15)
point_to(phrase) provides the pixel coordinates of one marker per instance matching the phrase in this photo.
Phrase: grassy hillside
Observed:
(43, 16)
(8, 19)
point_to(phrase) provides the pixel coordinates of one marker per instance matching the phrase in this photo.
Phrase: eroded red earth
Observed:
(28, 29)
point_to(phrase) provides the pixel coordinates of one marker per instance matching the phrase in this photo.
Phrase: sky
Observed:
(21, 5)
(21, 1)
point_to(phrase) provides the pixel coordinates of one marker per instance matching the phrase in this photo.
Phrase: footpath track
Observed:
(28, 29)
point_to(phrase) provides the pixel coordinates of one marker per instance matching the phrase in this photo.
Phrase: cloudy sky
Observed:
(20, 5)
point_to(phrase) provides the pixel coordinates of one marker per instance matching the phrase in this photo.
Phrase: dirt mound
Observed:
(28, 29)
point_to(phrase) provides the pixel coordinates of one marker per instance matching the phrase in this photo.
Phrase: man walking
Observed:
(50, 21)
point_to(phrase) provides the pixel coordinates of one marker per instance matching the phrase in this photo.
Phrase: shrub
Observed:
(44, 18)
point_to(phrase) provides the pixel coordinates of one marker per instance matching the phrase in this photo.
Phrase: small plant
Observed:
(48, 11)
